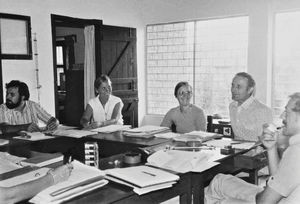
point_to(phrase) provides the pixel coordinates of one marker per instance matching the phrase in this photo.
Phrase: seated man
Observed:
(29, 189)
(19, 113)
(284, 183)
(247, 114)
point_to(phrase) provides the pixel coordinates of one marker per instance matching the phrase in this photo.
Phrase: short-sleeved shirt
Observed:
(193, 119)
(287, 177)
(248, 118)
(101, 114)
(32, 113)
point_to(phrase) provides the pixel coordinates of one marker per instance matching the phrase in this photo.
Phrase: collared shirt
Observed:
(32, 113)
(101, 114)
(287, 177)
(248, 118)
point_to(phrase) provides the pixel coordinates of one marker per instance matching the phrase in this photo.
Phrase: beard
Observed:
(11, 105)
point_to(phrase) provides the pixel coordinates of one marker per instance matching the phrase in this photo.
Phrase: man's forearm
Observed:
(273, 158)
(5, 128)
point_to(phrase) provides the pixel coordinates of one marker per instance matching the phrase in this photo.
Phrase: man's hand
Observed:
(269, 136)
(52, 124)
(33, 127)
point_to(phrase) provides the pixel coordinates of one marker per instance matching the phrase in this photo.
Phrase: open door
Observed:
(68, 52)
(118, 61)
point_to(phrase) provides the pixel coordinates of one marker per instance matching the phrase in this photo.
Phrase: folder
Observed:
(141, 176)
(43, 159)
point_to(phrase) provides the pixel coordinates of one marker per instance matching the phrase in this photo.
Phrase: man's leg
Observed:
(230, 189)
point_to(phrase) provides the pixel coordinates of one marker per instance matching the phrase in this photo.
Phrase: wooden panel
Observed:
(118, 61)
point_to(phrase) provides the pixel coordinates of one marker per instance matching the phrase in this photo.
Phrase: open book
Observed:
(142, 178)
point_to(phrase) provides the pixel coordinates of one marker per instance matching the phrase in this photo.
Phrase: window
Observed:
(286, 69)
(206, 53)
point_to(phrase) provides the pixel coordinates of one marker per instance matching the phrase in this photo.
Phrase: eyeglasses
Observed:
(185, 93)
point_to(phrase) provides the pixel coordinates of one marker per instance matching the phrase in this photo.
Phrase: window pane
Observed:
(286, 69)
(221, 52)
(59, 55)
(169, 60)
(207, 59)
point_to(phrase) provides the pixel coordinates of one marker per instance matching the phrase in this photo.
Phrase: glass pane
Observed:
(169, 61)
(59, 55)
(13, 36)
(221, 52)
(286, 70)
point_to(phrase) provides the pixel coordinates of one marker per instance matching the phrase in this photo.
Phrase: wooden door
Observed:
(118, 61)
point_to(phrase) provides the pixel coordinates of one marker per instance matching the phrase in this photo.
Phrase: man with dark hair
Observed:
(284, 184)
(247, 114)
(19, 113)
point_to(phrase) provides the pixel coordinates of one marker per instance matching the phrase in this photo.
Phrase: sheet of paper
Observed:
(111, 128)
(180, 161)
(34, 136)
(80, 173)
(148, 129)
(73, 133)
(3, 142)
(142, 176)
(167, 135)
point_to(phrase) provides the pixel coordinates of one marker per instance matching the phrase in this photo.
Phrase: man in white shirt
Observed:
(247, 114)
(284, 184)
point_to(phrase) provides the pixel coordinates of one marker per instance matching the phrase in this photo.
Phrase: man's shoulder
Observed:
(197, 109)
(259, 105)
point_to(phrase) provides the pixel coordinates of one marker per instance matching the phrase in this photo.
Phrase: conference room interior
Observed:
(146, 48)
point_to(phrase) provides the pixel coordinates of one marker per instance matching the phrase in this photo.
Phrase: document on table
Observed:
(83, 179)
(167, 135)
(237, 144)
(111, 128)
(148, 129)
(33, 136)
(182, 161)
(141, 176)
(73, 133)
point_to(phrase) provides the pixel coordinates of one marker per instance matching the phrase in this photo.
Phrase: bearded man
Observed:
(19, 113)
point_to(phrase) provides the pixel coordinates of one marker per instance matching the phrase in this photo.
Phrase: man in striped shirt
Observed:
(247, 114)
(19, 113)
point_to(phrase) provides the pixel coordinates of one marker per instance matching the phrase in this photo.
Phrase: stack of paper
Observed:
(146, 131)
(83, 179)
(72, 133)
(167, 135)
(3, 142)
(33, 136)
(111, 128)
(43, 160)
(197, 136)
(142, 179)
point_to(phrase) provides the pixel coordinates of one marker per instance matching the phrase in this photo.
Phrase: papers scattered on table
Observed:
(181, 161)
(30, 176)
(143, 179)
(111, 128)
(33, 136)
(73, 133)
(3, 142)
(167, 135)
(237, 144)
(146, 131)
(43, 160)
(200, 136)
(83, 179)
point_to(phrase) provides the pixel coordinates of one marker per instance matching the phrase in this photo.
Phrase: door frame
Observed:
(66, 21)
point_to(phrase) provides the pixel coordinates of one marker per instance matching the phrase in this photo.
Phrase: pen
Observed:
(148, 173)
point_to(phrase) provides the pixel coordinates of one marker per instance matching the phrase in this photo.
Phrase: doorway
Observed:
(68, 61)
